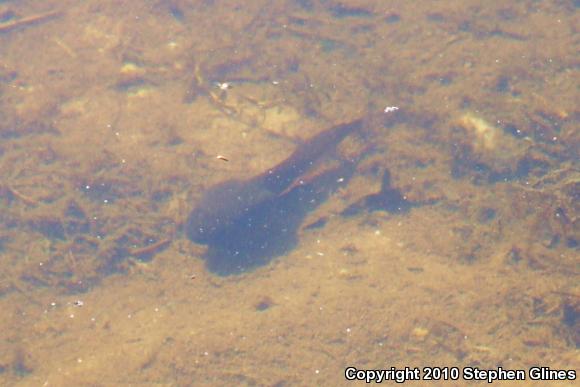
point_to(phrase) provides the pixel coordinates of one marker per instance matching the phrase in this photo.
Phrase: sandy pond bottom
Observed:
(110, 123)
(368, 299)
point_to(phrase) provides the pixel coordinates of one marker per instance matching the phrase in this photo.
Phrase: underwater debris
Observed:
(486, 147)
(13, 24)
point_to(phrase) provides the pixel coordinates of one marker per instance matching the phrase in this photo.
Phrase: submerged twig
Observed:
(25, 199)
(150, 249)
(29, 20)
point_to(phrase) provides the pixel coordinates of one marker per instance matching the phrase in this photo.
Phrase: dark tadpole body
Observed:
(224, 204)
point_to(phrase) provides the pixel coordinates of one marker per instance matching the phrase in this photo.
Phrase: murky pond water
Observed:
(442, 231)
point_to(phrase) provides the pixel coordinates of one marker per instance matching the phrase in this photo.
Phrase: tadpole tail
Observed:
(282, 175)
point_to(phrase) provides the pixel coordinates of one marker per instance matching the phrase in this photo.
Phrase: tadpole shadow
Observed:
(270, 229)
(388, 199)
